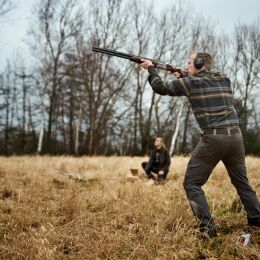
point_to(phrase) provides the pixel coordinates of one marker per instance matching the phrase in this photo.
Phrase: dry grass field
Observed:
(46, 215)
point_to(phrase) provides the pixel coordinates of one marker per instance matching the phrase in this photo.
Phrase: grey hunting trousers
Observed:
(211, 149)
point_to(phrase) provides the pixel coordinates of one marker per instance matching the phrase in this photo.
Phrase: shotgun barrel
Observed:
(138, 59)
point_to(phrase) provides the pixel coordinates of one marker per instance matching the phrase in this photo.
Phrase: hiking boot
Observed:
(207, 233)
(151, 176)
(160, 179)
(254, 222)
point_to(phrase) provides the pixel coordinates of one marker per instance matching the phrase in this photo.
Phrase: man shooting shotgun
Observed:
(139, 60)
(212, 101)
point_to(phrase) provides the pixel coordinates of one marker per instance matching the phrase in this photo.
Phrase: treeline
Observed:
(65, 99)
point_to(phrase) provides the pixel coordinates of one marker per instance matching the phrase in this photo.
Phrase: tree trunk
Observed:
(40, 141)
(184, 140)
(76, 148)
(174, 138)
(7, 125)
(24, 114)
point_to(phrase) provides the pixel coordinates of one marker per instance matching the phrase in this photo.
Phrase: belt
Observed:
(221, 131)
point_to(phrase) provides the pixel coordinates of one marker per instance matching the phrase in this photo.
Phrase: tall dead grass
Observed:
(45, 215)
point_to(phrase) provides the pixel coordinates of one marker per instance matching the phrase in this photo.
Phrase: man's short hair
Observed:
(208, 60)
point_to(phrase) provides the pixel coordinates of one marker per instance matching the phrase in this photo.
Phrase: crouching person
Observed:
(159, 161)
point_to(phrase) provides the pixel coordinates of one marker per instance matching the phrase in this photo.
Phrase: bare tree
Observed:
(223, 59)
(99, 79)
(143, 22)
(17, 107)
(57, 24)
(246, 68)
(172, 46)
(5, 109)
(174, 138)
(156, 37)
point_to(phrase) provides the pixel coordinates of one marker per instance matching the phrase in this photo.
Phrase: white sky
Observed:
(227, 13)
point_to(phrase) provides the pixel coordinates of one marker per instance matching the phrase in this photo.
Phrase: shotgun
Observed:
(138, 59)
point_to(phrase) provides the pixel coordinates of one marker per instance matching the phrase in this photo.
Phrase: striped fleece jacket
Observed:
(209, 94)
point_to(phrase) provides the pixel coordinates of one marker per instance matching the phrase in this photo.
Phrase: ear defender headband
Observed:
(199, 61)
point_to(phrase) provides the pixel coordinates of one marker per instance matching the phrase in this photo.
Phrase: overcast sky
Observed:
(227, 13)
